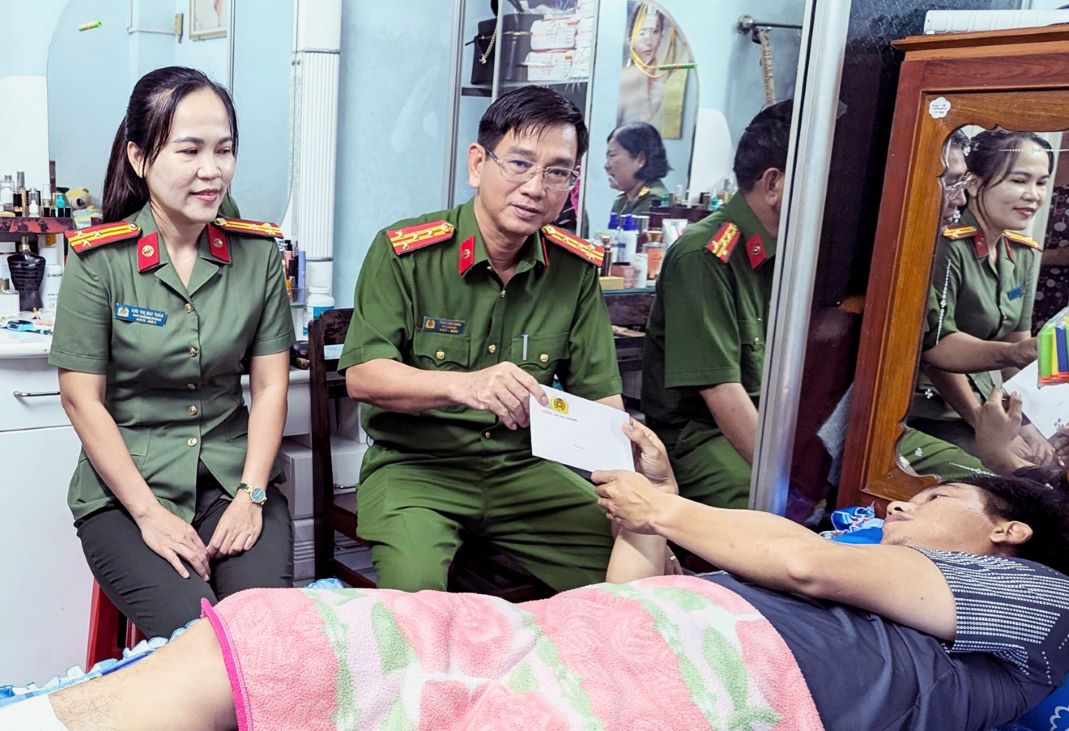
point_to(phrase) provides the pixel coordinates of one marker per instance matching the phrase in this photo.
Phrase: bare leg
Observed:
(181, 686)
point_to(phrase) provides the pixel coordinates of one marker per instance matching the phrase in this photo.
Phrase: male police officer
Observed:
(705, 339)
(459, 315)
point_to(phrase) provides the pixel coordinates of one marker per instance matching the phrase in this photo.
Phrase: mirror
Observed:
(955, 83)
(997, 187)
(707, 106)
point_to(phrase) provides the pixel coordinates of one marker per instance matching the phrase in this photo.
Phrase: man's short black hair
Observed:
(531, 109)
(1042, 505)
(640, 137)
(764, 144)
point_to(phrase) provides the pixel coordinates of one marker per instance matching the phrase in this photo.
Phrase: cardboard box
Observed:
(296, 460)
(553, 34)
(549, 65)
(354, 555)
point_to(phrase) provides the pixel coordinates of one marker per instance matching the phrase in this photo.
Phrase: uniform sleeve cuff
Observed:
(270, 346)
(702, 378)
(593, 392)
(75, 362)
(356, 356)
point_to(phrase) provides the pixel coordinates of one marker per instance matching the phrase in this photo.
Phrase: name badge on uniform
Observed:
(1015, 293)
(443, 325)
(130, 313)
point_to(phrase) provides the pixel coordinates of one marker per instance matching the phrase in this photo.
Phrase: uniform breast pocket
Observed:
(441, 352)
(540, 355)
(752, 340)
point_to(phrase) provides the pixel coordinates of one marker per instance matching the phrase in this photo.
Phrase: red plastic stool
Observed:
(109, 631)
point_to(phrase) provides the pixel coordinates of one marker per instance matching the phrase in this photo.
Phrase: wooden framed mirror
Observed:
(1009, 80)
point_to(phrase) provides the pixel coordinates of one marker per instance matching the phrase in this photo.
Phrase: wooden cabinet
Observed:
(1016, 80)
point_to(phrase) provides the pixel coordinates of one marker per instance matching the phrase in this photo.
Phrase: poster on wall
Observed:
(208, 19)
(657, 60)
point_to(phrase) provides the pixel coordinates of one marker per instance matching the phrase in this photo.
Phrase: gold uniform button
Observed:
(192, 441)
(191, 387)
(486, 435)
(544, 358)
(188, 307)
(193, 411)
(440, 355)
(193, 351)
(757, 341)
(502, 294)
(491, 349)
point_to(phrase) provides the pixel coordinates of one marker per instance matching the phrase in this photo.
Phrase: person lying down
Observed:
(957, 620)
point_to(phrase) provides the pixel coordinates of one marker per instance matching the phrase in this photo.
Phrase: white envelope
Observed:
(580, 433)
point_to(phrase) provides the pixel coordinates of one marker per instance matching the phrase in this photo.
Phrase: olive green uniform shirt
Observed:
(431, 310)
(649, 195)
(707, 324)
(173, 384)
(973, 296)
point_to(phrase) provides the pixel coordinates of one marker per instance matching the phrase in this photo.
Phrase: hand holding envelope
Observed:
(579, 433)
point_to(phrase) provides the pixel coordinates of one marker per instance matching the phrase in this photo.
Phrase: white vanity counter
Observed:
(44, 618)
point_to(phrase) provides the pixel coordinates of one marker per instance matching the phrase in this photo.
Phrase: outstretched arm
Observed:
(636, 555)
(896, 582)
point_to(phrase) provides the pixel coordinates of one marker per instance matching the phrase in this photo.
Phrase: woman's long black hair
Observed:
(147, 124)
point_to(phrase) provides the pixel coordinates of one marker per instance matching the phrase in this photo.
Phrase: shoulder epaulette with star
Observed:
(1023, 240)
(724, 241)
(96, 236)
(244, 227)
(580, 247)
(411, 238)
(959, 232)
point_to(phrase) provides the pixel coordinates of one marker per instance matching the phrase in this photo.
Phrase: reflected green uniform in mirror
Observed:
(173, 366)
(972, 295)
(432, 474)
(649, 195)
(927, 455)
(707, 327)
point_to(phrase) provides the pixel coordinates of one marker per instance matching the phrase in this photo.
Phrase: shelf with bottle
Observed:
(11, 228)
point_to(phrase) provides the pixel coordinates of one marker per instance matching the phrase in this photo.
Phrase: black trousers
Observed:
(148, 590)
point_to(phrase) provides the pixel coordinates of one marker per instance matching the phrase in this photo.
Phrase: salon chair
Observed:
(478, 566)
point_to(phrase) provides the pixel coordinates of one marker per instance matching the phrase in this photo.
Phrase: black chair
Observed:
(478, 566)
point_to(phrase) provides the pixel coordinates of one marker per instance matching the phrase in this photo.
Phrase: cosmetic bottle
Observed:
(33, 210)
(628, 239)
(20, 194)
(7, 194)
(27, 274)
(53, 276)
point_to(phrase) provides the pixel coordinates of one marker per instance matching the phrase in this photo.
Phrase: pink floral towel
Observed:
(662, 653)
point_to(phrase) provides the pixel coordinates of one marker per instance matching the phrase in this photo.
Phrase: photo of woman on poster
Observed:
(651, 90)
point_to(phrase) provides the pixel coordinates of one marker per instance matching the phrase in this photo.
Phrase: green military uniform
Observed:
(172, 353)
(927, 455)
(428, 297)
(649, 195)
(707, 327)
(972, 295)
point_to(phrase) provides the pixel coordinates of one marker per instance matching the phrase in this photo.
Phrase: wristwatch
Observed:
(256, 494)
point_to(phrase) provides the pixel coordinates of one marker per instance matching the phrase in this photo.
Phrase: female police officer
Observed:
(172, 496)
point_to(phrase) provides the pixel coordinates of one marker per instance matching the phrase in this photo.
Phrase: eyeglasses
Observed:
(517, 170)
(958, 186)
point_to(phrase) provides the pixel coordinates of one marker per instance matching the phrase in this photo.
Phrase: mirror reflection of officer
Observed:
(704, 351)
